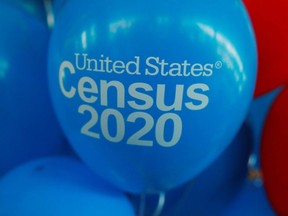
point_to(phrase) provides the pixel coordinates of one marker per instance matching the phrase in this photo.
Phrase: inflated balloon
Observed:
(35, 8)
(269, 20)
(149, 93)
(28, 126)
(210, 192)
(256, 117)
(274, 151)
(58, 5)
(251, 200)
(59, 186)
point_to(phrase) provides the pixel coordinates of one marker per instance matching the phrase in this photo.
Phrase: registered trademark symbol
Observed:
(218, 64)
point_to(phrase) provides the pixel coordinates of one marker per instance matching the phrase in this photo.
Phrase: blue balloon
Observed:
(252, 200)
(35, 8)
(28, 125)
(59, 186)
(209, 192)
(149, 93)
(256, 117)
(58, 5)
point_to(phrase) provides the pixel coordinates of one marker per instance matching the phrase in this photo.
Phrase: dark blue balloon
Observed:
(35, 8)
(28, 126)
(209, 192)
(256, 117)
(252, 200)
(56, 187)
(149, 93)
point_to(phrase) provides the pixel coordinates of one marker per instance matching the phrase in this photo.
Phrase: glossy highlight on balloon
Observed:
(150, 93)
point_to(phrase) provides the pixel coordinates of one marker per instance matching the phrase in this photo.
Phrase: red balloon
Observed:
(270, 22)
(274, 154)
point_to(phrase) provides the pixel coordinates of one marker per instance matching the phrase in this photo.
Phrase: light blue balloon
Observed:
(252, 200)
(59, 186)
(149, 93)
(28, 126)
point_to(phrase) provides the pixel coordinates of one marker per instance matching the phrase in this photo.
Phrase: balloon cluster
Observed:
(147, 108)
